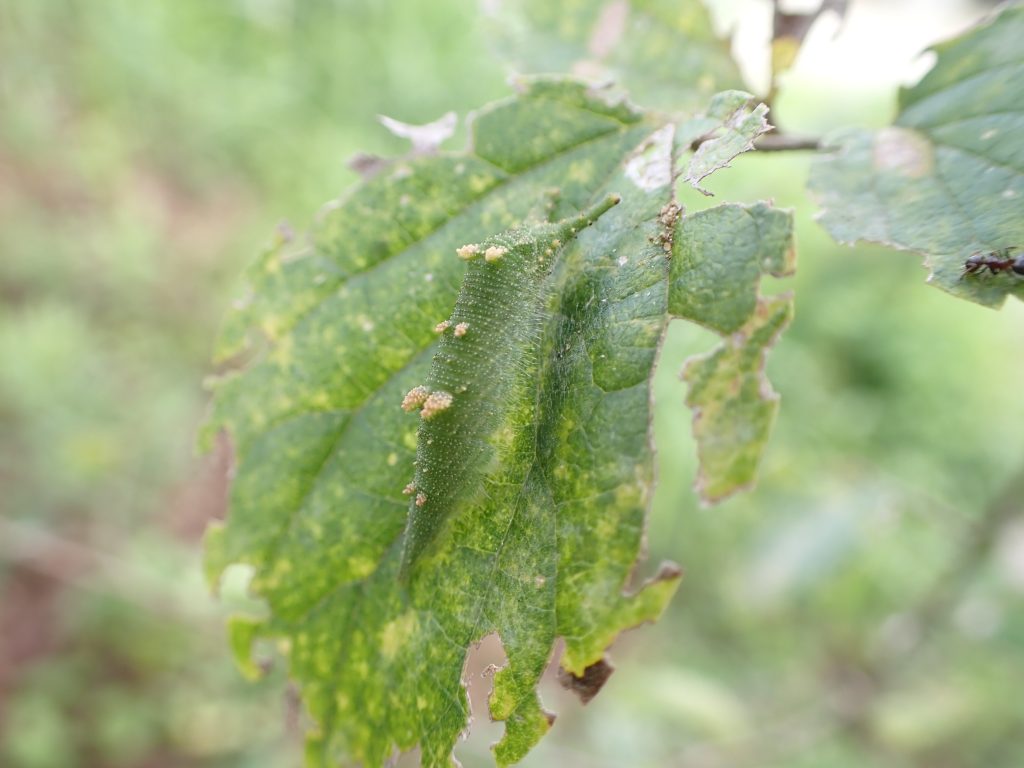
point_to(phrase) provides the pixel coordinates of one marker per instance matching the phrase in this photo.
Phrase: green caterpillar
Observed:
(465, 399)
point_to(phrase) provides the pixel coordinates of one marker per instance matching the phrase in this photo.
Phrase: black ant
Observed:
(995, 261)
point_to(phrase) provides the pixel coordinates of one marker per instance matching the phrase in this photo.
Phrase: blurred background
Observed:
(863, 607)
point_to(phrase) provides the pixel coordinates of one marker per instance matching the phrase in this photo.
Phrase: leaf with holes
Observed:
(947, 179)
(431, 449)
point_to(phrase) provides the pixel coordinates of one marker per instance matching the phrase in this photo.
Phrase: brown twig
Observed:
(781, 142)
(774, 142)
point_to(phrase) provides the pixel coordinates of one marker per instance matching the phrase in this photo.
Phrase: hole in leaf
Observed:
(587, 685)
(482, 662)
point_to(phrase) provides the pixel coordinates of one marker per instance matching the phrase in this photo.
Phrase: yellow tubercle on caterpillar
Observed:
(461, 329)
(435, 403)
(467, 252)
(495, 253)
(415, 398)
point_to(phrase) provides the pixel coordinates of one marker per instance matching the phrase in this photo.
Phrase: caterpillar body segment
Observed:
(486, 346)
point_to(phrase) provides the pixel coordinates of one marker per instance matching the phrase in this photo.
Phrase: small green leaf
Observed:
(733, 404)
(736, 119)
(719, 257)
(947, 180)
(665, 52)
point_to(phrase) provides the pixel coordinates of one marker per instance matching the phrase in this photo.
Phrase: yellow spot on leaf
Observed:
(281, 354)
(478, 183)
(903, 152)
(397, 633)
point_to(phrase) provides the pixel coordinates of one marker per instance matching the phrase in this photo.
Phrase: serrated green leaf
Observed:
(719, 257)
(665, 52)
(737, 120)
(947, 179)
(543, 489)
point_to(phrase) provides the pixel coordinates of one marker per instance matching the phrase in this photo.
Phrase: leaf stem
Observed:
(781, 142)
(775, 142)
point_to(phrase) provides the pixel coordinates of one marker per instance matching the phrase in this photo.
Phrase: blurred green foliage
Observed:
(840, 615)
